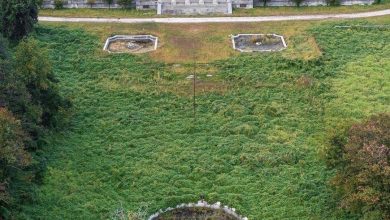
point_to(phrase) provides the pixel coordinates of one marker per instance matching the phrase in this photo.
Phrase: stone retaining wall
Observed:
(81, 4)
(152, 4)
(260, 3)
(190, 10)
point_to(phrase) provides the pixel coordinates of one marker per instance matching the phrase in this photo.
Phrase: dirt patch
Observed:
(208, 86)
(258, 42)
(187, 47)
(131, 44)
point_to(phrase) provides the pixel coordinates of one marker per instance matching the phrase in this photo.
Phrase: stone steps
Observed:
(191, 7)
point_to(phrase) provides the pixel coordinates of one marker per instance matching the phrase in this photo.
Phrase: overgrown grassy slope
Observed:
(254, 145)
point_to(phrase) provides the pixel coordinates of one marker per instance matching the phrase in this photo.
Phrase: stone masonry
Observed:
(197, 6)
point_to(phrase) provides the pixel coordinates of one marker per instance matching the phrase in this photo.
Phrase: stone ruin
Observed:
(230, 213)
(131, 44)
(258, 42)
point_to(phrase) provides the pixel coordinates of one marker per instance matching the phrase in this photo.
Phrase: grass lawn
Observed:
(257, 11)
(261, 120)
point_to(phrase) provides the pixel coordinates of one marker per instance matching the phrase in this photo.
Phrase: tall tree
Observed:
(18, 17)
(36, 72)
(29, 88)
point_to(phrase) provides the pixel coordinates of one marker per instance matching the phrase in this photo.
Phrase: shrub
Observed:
(59, 4)
(3, 48)
(36, 71)
(13, 157)
(362, 160)
(39, 3)
(29, 104)
(28, 88)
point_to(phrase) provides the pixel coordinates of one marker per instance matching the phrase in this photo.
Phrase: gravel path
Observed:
(218, 19)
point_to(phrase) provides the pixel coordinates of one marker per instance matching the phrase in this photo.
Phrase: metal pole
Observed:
(194, 92)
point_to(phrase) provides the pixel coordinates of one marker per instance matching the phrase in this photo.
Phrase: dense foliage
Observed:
(362, 160)
(29, 104)
(13, 159)
(254, 144)
(17, 17)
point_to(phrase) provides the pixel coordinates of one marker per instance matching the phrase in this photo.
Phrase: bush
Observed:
(59, 4)
(13, 157)
(39, 3)
(36, 72)
(29, 104)
(362, 160)
(28, 89)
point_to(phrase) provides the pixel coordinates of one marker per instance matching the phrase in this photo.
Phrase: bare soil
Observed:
(253, 43)
(122, 46)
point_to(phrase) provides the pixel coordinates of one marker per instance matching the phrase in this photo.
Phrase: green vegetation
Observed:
(29, 106)
(261, 122)
(59, 4)
(362, 161)
(184, 43)
(17, 18)
(13, 159)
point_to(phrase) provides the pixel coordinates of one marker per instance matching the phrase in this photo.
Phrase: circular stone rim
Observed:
(130, 37)
(200, 204)
(247, 51)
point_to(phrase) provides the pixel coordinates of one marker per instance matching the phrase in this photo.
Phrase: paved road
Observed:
(219, 19)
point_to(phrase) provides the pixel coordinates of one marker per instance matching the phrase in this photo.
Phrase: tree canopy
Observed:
(18, 17)
(29, 105)
(362, 161)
